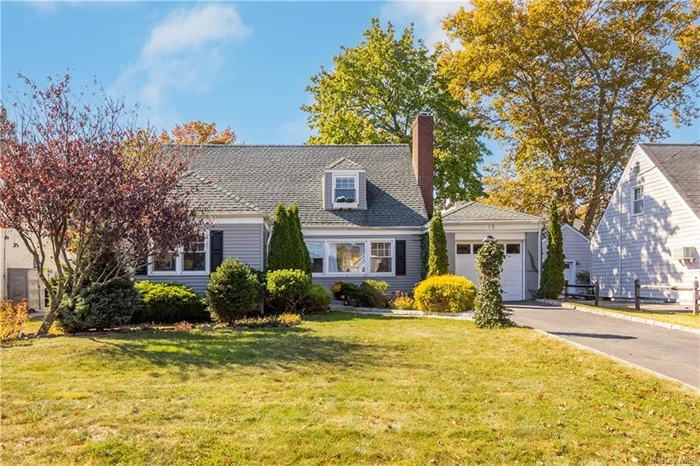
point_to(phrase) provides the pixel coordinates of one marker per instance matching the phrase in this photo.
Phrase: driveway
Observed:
(672, 353)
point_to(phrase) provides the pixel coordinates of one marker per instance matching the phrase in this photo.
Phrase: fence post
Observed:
(637, 295)
(566, 290)
(596, 292)
(696, 297)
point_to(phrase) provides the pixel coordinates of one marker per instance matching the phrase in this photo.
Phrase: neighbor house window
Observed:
(316, 253)
(381, 257)
(346, 257)
(638, 200)
(192, 259)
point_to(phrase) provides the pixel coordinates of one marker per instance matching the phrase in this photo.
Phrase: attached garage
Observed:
(469, 223)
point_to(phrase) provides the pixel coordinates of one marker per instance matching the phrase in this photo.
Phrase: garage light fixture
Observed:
(489, 238)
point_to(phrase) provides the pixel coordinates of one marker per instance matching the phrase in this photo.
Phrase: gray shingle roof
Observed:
(210, 197)
(476, 211)
(344, 163)
(263, 176)
(680, 164)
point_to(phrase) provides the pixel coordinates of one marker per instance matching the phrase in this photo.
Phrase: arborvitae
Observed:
(437, 249)
(287, 247)
(553, 267)
(302, 259)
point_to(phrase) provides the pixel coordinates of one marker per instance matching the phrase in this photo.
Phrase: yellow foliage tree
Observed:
(198, 132)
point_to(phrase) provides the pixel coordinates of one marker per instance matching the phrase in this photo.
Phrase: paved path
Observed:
(669, 352)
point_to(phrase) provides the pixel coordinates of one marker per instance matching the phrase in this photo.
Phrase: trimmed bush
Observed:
(318, 301)
(100, 306)
(374, 293)
(445, 293)
(288, 250)
(289, 287)
(233, 291)
(552, 281)
(169, 303)
(12, 318)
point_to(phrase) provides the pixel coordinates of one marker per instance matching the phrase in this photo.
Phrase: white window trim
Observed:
(368, 252)
(634, 188)
(180, 263)
(346, 205)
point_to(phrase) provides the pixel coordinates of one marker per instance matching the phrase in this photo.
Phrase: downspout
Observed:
(539, 256)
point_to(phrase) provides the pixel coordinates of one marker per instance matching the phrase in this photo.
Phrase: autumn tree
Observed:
(72, 195)
(571, 86)
(374, 93)
(198, 132)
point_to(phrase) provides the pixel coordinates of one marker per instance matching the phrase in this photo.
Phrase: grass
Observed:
(686, 319)
(339, 389)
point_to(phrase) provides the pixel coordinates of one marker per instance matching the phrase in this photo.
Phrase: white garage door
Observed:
(512, 276)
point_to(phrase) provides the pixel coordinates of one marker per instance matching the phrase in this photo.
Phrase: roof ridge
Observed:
(223, 191)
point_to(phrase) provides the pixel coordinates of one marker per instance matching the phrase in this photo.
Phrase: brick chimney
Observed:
(423, 162)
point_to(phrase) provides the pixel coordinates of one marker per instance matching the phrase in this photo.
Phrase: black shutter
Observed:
(400, 257)
(143, 270)
(216, 249)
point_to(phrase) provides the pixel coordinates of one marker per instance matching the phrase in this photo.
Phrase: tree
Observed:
(72, 196)
(374, 94)
(437, 249)
(198, 132)
(489, 309)
(552, 280)
(570, 86)
(287, 247)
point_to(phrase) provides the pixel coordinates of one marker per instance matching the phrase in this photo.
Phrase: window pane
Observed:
(345, 182)
(512, 249)
(346, 257)
(316, 254)
(165, 262)
(381, 259)
(464, 249)
(194, 261)
(345, 189)
(477, 247)
(380, 265)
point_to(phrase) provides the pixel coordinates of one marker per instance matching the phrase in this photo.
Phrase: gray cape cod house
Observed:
(363, 209)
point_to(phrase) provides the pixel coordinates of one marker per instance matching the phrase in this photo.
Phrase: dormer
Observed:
(344, 186)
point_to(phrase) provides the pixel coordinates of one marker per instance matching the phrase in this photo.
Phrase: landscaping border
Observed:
(400, 313)
(617, 315)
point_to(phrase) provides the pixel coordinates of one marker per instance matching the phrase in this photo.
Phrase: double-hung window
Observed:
(165, 262)
(316, 253)
(346, 257)
(189, 259)
(345, 191)
(637, 200)
(381, 257)
(194, 258)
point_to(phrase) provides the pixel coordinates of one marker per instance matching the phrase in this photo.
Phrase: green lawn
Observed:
(339, 389)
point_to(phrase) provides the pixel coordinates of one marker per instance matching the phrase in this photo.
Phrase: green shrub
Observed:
(445, 293)
(403, 302)
(353, 294)
(318, 301)
(169, 303)
(489, 309)
(288, 250)
(374, 293)
(437, 248)
(552, 281)
(99, 306)
(233, 291)
(288, 287)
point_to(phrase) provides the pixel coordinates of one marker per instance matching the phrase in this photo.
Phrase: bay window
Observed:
(352, 257)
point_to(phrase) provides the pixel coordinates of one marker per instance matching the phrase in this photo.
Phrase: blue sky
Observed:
(243, 65)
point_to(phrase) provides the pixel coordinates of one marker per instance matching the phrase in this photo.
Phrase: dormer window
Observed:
(345, 195)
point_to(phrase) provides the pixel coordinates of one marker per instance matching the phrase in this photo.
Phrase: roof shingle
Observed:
(476, 211)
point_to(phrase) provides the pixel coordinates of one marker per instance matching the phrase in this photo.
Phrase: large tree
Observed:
(198, 132)
(571, 86)
(73, 195)
(374, 93)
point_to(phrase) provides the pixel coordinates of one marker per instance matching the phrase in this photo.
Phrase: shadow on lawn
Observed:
(187, 350)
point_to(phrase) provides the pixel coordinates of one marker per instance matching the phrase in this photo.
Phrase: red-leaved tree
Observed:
(70, 187)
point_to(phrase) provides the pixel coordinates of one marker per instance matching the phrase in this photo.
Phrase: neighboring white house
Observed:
(577, 253)
(19, 278)
(651, 228)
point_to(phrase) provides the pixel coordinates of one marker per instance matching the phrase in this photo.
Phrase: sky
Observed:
(245, 65)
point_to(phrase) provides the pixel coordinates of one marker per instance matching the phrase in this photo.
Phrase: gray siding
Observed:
(241, 241)
(328, 191)
(576, 248)
(625, 246)
(531, 265)
(450, 252)
(404, 283)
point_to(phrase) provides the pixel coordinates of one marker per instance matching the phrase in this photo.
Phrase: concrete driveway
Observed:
(672, 353)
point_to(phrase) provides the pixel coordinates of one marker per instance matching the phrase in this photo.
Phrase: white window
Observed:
(192, 259)
(316, 253)
(346, 257)
(381, 258)
(345, 195)
(637, 200)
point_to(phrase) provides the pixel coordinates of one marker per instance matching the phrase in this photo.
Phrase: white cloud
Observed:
(426, 15)
(185, 52)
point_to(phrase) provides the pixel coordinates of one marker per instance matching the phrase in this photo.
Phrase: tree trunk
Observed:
(591, 214)
(48, 320)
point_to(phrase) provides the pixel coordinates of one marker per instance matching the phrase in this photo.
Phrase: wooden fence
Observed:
(589, 291)
(638, 287)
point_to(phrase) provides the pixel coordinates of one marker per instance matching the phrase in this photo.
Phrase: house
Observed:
(19, 277)
(364, 211)
(466, 226)
(577, 254)
(650, 229)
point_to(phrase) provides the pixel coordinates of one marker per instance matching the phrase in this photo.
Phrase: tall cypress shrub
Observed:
(287, 247)
(553, 267)
(437, 248)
